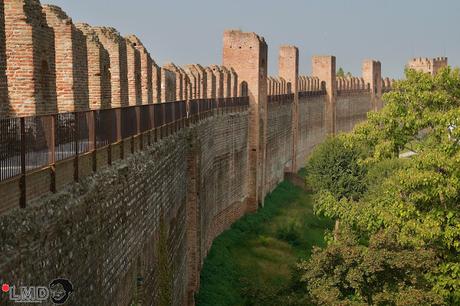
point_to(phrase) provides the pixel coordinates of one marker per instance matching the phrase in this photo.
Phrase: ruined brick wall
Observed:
(279, 142)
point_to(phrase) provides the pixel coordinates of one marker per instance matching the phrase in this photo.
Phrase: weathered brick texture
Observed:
(104, 234)
(279, 142)
(352, 108)
(5, 107)
(168, 84)
(115, 45)
(98, 62)
(133, 57)
(217, 72)
(312, 130)
(30, 54)
(71, 61)
(247, 54)
(145, 73)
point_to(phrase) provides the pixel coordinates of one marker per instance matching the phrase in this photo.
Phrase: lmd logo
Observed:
(58, 291)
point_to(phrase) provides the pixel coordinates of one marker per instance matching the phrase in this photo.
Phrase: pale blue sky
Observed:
(190, 31)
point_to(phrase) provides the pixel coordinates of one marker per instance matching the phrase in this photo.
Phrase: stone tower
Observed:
(324, 68)
(430, 66)
(246, 53)
(289, 70)
(372, 75)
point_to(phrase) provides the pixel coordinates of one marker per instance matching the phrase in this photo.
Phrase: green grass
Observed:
(253, 262)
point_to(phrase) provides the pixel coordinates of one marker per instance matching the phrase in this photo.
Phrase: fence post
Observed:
(22, 181)
(93, 133)
(120, 139)
(53, 154)
(76, 135)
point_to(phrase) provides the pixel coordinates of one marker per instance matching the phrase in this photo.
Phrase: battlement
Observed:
(89, 32)
(240, 36)
(58, 13)
(133, 75)
(427, 65)
(109, 33)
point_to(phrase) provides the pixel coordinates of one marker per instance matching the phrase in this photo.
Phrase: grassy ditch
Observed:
(253, 263)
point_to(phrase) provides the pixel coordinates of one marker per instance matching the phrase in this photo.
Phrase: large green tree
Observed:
(415, 201)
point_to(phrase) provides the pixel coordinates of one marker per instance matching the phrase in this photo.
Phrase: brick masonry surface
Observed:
(103, 233)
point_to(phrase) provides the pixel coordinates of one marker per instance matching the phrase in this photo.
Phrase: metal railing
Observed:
(31, 143)
(282, 98)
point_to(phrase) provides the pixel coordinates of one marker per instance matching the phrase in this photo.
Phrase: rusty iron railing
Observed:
(36, 142)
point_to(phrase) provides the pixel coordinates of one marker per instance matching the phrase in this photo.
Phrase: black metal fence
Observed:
(29, 143)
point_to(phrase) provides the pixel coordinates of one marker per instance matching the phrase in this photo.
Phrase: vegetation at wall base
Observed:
(255, 262)
(397, 234)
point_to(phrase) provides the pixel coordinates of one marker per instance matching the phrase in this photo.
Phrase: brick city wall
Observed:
(141, 228)
(279, 142)
(312, 124)
(121, 234)
(352, 107)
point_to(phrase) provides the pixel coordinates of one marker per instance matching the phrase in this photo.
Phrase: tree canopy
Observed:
(399, 238)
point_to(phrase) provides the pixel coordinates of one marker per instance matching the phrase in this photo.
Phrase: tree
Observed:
(415, 201)
(334, 167)
(340, 73)
(382, 273)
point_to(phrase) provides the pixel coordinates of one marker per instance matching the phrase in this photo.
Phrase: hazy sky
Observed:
(190, 31)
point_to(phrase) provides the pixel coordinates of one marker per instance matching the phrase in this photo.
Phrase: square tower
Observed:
(246, 53)
(372, 75)
(324, 68)
(289, 70)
